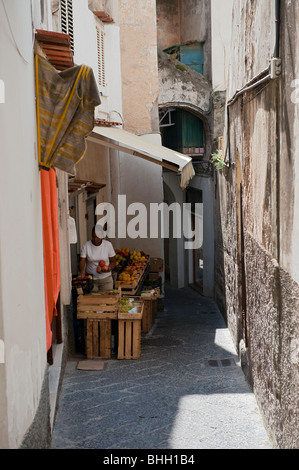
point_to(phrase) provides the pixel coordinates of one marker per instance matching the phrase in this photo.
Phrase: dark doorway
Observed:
(182, 131)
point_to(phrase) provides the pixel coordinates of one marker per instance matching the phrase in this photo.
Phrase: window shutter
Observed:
(101, 58)
(66, 18)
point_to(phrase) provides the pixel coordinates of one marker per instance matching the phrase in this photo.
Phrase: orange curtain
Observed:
(51, 247)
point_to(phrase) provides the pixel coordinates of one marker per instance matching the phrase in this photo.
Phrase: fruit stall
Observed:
(132, 269)
(112, 323)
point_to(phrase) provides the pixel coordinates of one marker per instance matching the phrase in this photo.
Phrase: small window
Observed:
(183, 132)
(66, 20)
(190, 54)
(101, 57)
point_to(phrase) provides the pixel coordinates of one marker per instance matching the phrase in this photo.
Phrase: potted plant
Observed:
(218, 161)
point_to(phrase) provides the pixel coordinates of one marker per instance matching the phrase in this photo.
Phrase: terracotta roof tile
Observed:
(57, 48)
(103, 16)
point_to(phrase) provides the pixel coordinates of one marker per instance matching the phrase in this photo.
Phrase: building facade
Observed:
(193, 63)
(173, 80)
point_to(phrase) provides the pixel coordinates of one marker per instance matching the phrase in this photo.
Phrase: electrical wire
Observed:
(12, 34)
(247, 88)
(118, 115)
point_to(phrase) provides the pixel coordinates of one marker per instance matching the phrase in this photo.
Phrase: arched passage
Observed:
(186, 129)
(170, 243)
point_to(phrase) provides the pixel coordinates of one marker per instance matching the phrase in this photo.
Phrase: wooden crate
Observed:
(155, 302)
(152, 309)
(129, 333)
(98, 339)
(156, 265)
(98, 310)
(98, 306)
(129, 288)
(147, 317)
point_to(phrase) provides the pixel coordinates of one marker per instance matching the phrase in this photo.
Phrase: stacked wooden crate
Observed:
(155, 301)
(150, 299)
(129, 332)
(98, 310)
(147, 317)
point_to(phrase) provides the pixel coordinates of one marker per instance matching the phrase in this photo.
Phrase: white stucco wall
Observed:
(119, 175)
(85, 39)
(85, 36)
(22, 307)
(98, 158)
(42, 14)
(112, 101)
(206, 185)
(141, 182)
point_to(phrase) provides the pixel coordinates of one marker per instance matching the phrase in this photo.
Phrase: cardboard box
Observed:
(156, 265)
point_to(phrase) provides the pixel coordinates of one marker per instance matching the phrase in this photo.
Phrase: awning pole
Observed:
(37, 108)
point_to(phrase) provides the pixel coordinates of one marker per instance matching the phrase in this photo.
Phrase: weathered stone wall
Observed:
(180, 84)
(168, 23)
(289, 140)
(272, 302)
(271, 296)
(263, 327)
(226, 252)
(140, 87)
(227, 232)
(256, 272)
(288, 354)
(180, 21)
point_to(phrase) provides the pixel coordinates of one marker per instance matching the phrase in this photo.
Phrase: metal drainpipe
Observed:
(278, 117)
(228, 139)
(267, 78)
(277, 27)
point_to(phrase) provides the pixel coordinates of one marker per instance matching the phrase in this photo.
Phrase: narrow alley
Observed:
(187, 390)
(149, 149)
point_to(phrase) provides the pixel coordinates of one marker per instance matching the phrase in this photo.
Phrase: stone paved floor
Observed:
(186, 391)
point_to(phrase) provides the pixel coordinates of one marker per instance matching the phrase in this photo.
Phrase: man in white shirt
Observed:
(95, 251)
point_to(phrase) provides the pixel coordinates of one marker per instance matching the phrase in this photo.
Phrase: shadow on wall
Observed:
(170, 243)
(220, 281)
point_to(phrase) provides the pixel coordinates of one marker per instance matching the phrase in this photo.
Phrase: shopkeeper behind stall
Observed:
(95, 252)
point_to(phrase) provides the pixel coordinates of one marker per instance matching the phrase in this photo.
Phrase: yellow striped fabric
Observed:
(65, 113)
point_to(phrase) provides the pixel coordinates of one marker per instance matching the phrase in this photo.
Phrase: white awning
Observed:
(136, 145)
